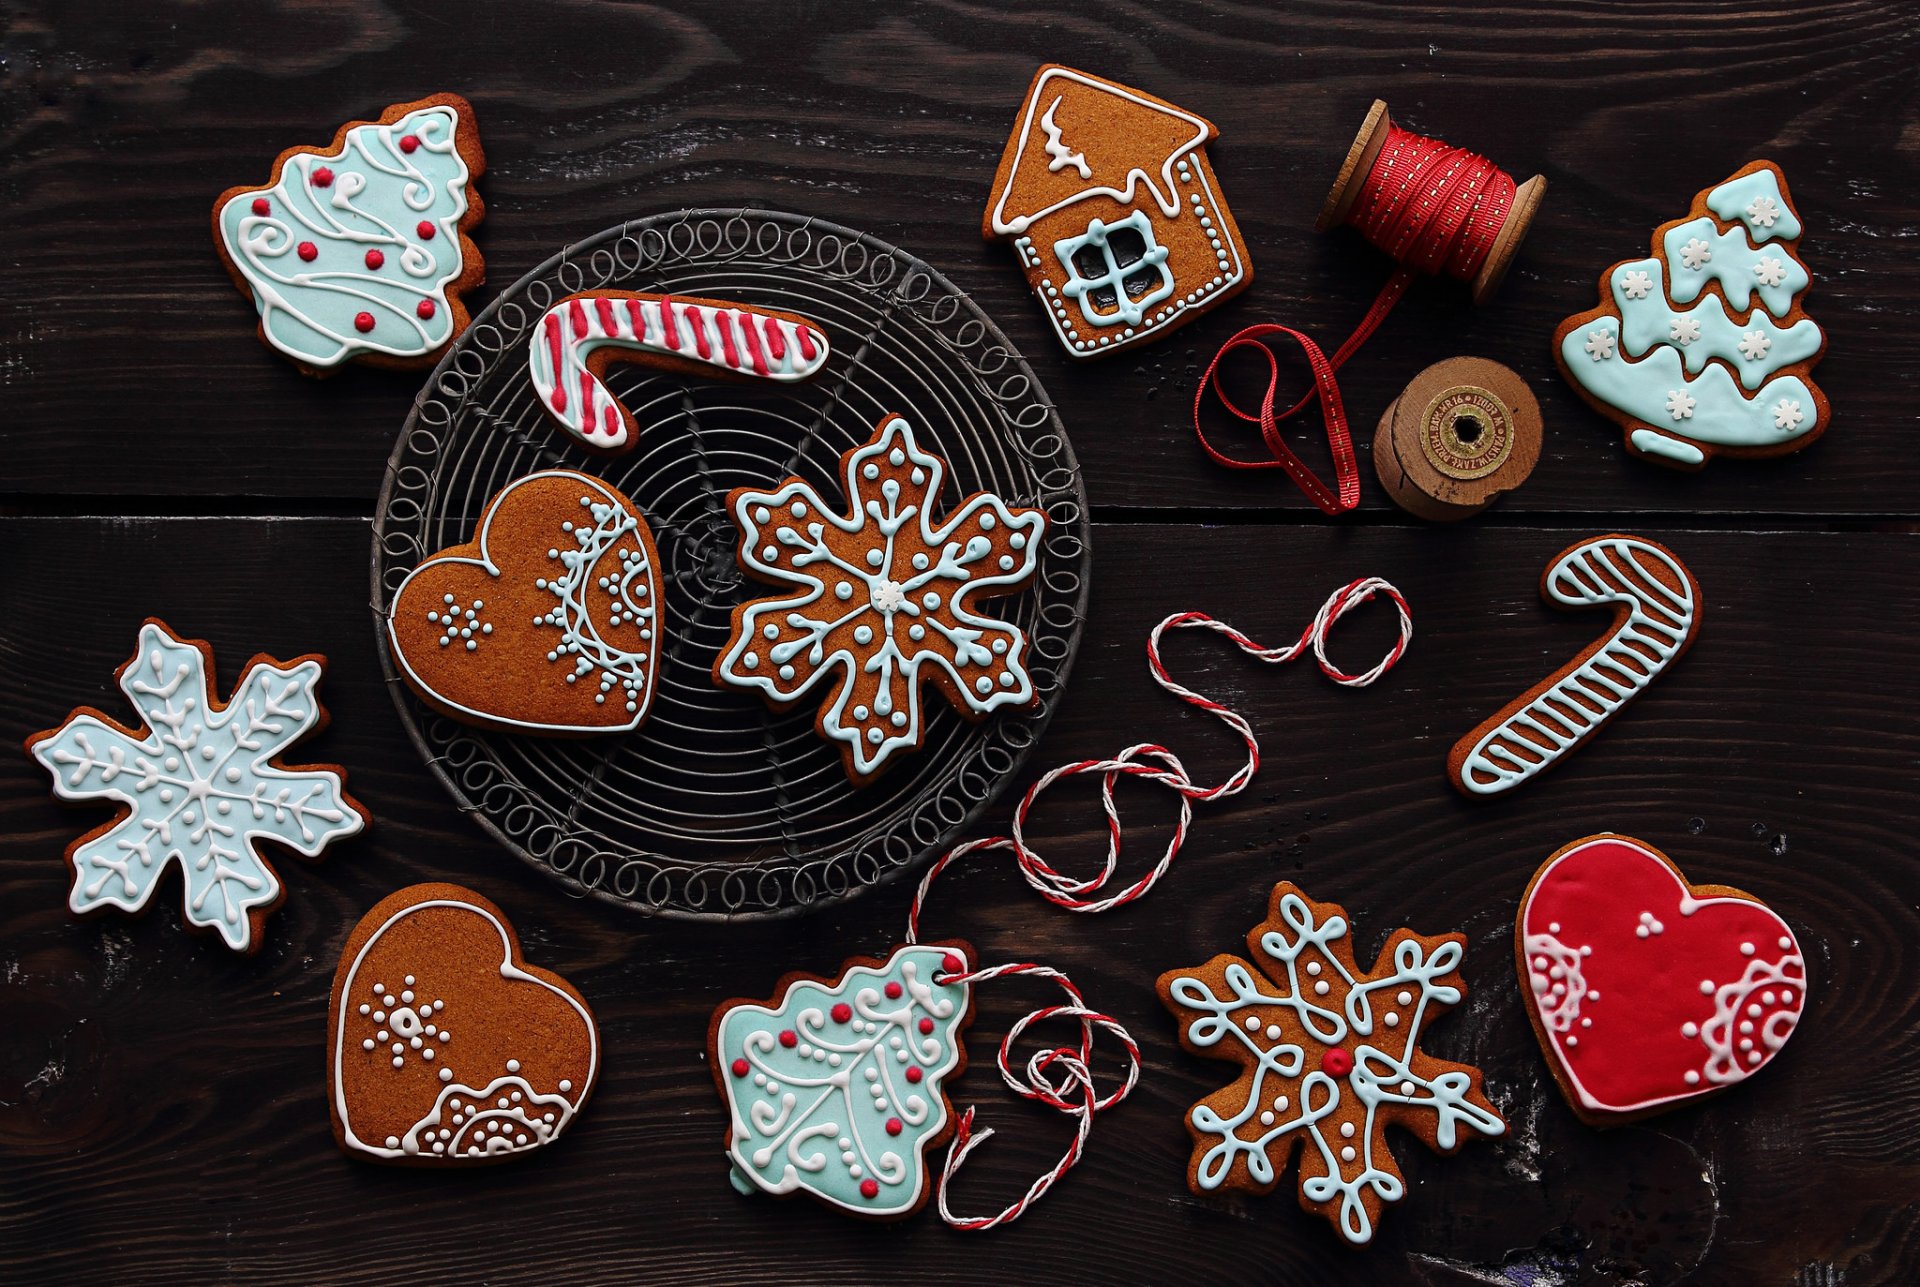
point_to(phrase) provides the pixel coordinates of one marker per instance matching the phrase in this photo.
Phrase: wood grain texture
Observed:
(128, 365)
(162, 1114)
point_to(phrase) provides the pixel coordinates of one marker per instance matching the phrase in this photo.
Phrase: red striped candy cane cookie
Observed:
(576, 339)
(1656, 605)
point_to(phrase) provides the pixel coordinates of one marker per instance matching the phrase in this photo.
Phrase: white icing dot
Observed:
(513, 1065)
(1689, 1029)
(1706, 987)
(1692, 1077)
(1320, 988)
(1404, 998)
(1746, 949)
(1346, 1130)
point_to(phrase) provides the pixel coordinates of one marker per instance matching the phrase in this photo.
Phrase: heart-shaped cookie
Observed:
(546, 622)
(444, 1045)
(1645, 991)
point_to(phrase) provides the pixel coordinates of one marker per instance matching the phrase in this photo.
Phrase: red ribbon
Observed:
(1437, 209)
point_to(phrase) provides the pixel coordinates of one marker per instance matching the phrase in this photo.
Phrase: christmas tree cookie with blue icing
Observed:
(1703, 349)
(837, 1088)
(358, 251)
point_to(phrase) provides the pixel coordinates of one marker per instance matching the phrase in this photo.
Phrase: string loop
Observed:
(1438, 211)
(1062, 1077)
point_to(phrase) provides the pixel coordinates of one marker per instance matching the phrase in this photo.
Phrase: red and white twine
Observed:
(1062, 1077)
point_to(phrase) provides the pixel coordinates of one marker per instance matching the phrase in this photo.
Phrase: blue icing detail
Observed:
(1718, 412)
(1733, 262)
(1648, 321)
(1113, 275)
(813, 1116)
(198, 787)
(1756, 201)
(1653, 444)
(378, 196)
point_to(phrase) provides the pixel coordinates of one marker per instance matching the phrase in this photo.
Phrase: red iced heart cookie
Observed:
(546, 622)
(1646, 991)
(444, 1046)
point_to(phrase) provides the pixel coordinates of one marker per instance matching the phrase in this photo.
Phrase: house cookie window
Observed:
(1115, 270)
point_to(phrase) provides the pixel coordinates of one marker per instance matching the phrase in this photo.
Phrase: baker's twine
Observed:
(1062, 1077)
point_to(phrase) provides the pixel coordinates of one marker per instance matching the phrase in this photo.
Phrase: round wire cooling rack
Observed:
(717, 806)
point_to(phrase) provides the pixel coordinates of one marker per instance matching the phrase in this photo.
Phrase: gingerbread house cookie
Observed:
(1114, 211)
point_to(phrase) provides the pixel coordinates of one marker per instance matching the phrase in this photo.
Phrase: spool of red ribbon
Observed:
(1439, 211)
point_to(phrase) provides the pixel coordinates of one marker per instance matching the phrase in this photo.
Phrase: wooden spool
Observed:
(1464, 433)
(1359, 164)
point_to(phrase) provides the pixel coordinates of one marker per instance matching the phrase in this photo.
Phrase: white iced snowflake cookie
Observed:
(877, 597)
(198, 785)
(1703, 349)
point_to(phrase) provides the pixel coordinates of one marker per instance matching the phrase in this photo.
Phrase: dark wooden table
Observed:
(161, 1102)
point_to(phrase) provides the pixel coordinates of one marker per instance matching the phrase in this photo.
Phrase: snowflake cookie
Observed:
(838, 1087)
(1712, 331)
(199, 784)
(1330, 1057)
(358, 251)
(427, 965)
(548, 622)
(880, 598)
(1648, 992)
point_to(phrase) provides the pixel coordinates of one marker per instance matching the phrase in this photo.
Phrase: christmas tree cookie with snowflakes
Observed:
(1703, 349)
(876, 597)
(358, 251)
(198, 785)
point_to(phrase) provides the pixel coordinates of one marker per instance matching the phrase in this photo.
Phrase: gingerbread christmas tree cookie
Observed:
(358, 251)
(1703, 349)
(1329, 1057)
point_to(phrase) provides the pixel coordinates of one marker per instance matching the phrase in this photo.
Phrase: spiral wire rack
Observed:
(718, 806)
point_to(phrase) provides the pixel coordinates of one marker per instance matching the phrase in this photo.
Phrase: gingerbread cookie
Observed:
(568, 355)
(199, 785)
(1647, 992)
(429, 962)
(838, 1087)
(1113, 208)
(880, 598)
(1329, 1058)
(358, 251)
(1656, 613)
(547, 622)
(1703, 350)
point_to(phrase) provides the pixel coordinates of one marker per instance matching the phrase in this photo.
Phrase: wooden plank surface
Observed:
(162, 1114)
(161, 1104)
(128, 365)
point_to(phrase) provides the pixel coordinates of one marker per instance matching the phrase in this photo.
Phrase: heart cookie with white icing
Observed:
(1647, 992)
(444, 1046)
(546, 622)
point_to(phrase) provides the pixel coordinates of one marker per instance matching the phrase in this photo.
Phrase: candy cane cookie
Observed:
(1656, 605)
(574, 341)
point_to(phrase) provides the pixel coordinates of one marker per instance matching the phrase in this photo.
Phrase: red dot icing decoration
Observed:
(926, 1026)
(894, 1126)
(893, 990)
(869, 1189)
(842, 1012)
(363, 322)
(425, 230)
(740, 1067)
(913, 1072)
(1336, 1062)
(262, 206)
(409, 142)
(322, 177)
(425, 309)
(375, 259)
(307, 251)
(789, 1038)
(952, 964)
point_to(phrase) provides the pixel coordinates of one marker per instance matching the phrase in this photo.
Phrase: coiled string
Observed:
(1062, 1078)
(1437, 210)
